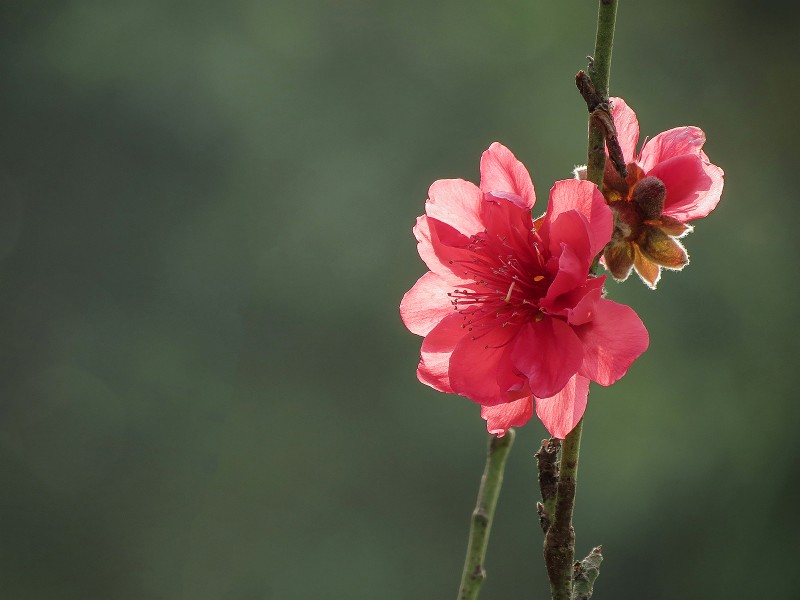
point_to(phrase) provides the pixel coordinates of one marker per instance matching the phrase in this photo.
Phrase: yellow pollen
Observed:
(511, 289)
(539, 317)
(538, 278)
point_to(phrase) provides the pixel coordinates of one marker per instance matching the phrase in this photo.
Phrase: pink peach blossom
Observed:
(508, 310)
(670, 183)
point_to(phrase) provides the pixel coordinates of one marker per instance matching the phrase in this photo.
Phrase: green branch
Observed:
(600, 74)
(491, 481)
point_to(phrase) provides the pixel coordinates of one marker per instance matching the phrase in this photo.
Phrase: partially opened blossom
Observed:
(511, 317)
(670, 183)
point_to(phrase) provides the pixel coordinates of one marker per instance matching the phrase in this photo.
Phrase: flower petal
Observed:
(457, 203)
(561, 412)
(611, 341)
(586, 199)
(438, 345)
(549, 353)
(672, 143)
(502, 172)
(502, 417)
(570, 272)
(571, 229)
(627, 127)
(503, 217)
(577, 305)
(439, 257)
(694, 186)
(478, 361)
(426, 304)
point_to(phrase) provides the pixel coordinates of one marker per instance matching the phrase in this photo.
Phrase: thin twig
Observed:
(491, 482)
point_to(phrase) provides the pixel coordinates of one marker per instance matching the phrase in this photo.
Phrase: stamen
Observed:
(511, 289)
(538, 278)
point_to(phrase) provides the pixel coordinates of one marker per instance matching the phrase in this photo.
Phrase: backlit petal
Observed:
(549, 353)
(457, 203)
(570, 273)
(502, 417)
(504, 218)
(476, 361)
(586, 199)
(426, 304)
(437, 347)
(561, 412)
(694, 186)
(612, 341)
(439, 257)
(627, 127)
(672, 143)
(502, 172)
(577, 305)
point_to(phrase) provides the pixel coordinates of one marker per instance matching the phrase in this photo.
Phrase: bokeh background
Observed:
(205, 230)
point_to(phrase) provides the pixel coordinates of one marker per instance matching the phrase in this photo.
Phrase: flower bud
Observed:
(649, 195)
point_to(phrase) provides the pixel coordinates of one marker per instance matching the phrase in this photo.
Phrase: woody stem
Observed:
(559, 544)
(559, 541)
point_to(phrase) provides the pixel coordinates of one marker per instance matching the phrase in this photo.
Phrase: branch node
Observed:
(600, 118)
(585, 573)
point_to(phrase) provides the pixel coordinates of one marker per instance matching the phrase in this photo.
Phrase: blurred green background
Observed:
(205, 230)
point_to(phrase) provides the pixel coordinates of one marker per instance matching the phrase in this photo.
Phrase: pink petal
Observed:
(570, 273)
(441, 258)
(478, 361)
(560, 413)
(627, 127)
(694, 186)
(502, 172)
(426, 304)
(585, 198)
(505, 219)
(509, 379)
(611, 341)
(571, 230)
(549, 353)
(672, 143)
(457, 203)
(577, 305)
(437, 347)
(502, 417)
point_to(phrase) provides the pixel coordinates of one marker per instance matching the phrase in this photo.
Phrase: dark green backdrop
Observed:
(205, 230)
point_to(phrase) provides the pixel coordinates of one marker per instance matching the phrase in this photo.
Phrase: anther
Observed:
(538, 278)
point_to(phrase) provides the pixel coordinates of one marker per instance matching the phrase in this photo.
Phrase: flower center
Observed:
(508, 281)
(635, 201)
